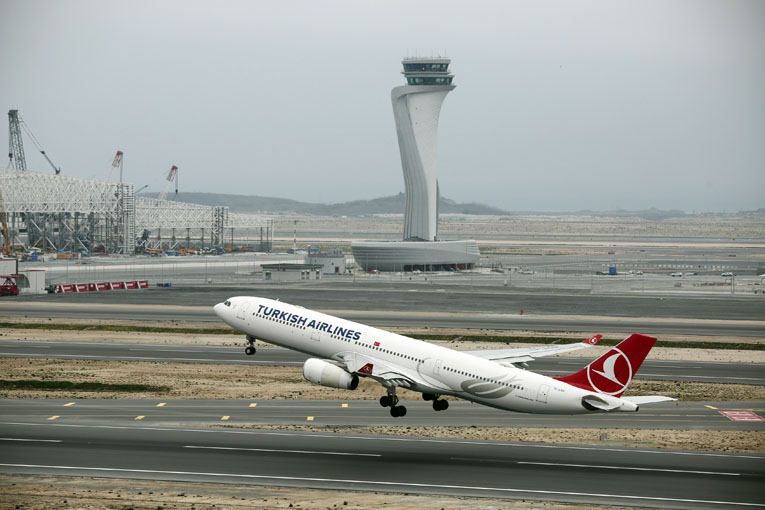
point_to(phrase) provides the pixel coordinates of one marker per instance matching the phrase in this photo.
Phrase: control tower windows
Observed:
(430, 80)
(425, 67)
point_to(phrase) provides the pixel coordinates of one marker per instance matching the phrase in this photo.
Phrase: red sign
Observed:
(143, 284)
(742, 416)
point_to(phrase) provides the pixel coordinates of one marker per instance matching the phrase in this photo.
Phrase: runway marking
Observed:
(630, 468)
(31, 440)
(344, 405)
(140, 417)
(224, 418)
(150, 358)
(310, 418)
(284, 451)
(492, 444)
(69, 404)
(388, 484)
(54, 417)
(711, 407)
(254, 404)
(161, 404)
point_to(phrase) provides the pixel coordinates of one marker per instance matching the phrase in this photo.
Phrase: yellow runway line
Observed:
(310, 418)
(141, 417)
(69, 404)
(54, 417)
(162, 404)
(253, 404)
(225, 418)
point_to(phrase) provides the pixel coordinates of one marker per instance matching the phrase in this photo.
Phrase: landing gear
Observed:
(250, 349)
(440, 405)
(391, 400)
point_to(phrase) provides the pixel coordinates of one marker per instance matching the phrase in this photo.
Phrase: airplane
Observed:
(346, 351)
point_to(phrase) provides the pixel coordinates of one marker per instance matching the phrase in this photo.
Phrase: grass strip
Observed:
(29, 384)
(117, 328)
(738, 346)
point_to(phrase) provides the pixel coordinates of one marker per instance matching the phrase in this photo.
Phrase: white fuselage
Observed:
(436, 369)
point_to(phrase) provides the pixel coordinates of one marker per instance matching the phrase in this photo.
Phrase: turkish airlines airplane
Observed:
(345, 351)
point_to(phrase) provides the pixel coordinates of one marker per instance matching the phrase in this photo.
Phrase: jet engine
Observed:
(326, 374)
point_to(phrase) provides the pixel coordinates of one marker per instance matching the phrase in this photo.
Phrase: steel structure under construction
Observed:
(62, 213)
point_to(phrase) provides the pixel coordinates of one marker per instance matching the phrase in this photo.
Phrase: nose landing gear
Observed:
(250, 349)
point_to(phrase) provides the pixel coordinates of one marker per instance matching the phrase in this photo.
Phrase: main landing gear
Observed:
(391, 400)
(250, 349)
(438, 404)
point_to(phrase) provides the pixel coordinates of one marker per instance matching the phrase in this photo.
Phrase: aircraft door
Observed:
(242, 312)
(315, 334)
(542, 394)
(437, 366)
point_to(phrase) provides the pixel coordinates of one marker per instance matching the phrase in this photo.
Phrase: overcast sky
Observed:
(559, 105)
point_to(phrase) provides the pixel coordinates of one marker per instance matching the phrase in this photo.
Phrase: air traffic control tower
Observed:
(416, 110)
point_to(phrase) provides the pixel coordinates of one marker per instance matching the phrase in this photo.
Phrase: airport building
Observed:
(416, 110)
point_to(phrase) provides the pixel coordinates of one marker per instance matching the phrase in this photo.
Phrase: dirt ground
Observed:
(212, 381)
(37, 492)
(203, 338)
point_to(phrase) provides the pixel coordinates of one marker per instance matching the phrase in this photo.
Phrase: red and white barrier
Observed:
(101, 286)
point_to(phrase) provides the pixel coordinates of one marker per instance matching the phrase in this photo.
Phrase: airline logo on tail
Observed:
(610, 374)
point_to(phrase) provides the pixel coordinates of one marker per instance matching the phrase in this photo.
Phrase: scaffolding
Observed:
(62, 213)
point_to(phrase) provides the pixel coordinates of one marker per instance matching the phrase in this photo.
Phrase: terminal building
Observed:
(416, 110)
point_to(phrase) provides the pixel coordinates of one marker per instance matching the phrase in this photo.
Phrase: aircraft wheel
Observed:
(440, 405)
(398, 411)
(386, 401)
(249, 350)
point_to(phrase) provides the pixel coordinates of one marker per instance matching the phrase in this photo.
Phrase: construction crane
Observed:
(16, 145)
(6, 247)
(172, 175)
(117, 163)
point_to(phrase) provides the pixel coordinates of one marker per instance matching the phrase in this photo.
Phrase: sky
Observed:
(559, 105)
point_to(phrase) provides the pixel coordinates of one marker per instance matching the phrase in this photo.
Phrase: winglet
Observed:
(611, 373)
(592, 340)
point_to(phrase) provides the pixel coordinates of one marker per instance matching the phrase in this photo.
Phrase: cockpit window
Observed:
(227, 303)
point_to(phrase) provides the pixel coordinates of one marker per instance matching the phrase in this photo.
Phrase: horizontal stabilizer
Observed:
(648, 399)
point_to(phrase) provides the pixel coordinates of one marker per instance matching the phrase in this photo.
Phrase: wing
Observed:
(385, 373)
(524, 354)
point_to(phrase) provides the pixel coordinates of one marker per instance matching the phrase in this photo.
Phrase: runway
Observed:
(81, 308)
(740, 373)
(585, 474)
(666, 415)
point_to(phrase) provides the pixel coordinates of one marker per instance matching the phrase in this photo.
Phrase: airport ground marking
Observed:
(162, 404)
(30, 440)
(711, 407)
(344, 405)
(588, 466)
(69, 404)
(270, 450)
(55, 417)
(383, 483)
(140, 417)
(398, 439)
(224, 418)
(254, 404)
(309, 418)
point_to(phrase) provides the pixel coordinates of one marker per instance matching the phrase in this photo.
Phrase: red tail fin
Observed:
(612, 372)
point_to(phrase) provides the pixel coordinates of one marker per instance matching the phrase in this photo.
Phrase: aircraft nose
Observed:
(218, 309)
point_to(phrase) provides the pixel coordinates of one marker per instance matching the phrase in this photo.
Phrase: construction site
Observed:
(52, 212)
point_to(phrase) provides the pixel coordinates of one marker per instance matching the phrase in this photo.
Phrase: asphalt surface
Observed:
(740, 373)
(586, 474)
(423, 299)
(383, 317)
(665, 415)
